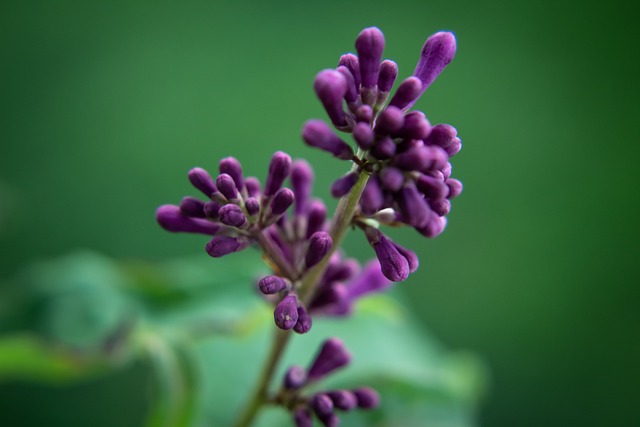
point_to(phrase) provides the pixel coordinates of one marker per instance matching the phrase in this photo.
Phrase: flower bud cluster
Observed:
(324, 404)
(407, 157)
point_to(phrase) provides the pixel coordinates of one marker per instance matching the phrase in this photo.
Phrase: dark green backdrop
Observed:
(105, 106)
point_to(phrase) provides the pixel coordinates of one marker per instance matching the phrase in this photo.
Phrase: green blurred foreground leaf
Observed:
(198, 333)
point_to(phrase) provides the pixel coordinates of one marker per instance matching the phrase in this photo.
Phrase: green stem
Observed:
(339, 226)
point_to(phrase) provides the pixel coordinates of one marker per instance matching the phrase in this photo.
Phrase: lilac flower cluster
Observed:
(408, 159)
(332, 356)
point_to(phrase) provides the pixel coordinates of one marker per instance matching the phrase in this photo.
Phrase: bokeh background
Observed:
(104, 106)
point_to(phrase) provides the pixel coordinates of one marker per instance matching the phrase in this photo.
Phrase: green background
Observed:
(105, 106)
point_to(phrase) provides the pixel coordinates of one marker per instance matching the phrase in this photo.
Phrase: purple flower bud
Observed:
(322, 405)
(220, 246)
(394, 266)
(253, 186)
(367, 397)
(350, 61)
(413, 207)
(232, 167)
(344, 400)
(172, 219)
(446, 170)
(316, 217)
(301, 181)
(330, 299)
(363, 134)
(319, 245)
(190, 206)
(331, 87)
(232, 216)
(295, 377)
(332, 355)
(330, 420)
(440, 206)
(416, 126)
(302, 418)
(303, 325)
(227, 186)
(364, 113)
(270, 285)
(351, 96)
(455, 188)
(281, 201)
(252, 205)
(417, 159)
(279, 170)
(370, 280)
(318, 134)
(389, 121)
(341, 270)
(410, 256)
(437, 53)
(369, 45)
(434, 227)
(201, 180)
(372, 198)
(445, 136)
(407, 93)
(388, 74)
(391, 178)
(432, 188)
(343, 185)
(211, 209)
(286, 312)
(384, 149)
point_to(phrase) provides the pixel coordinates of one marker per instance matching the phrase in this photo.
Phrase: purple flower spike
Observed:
(295, 377)
(301, 181)
(351, 96)
(392, 178)
(384, 149)
(389, 121)
(320, 244)
(344, 400)
(331, 87)
(446, 137)
(227, 186)
(343, 185)
(316, 217)
(416, 126)
(172, 219)
(318, 134)
(372, 198)
(252, 205)
(367, 397)
(407, 93)
(369, 45)
(322, 405)
(232, 167)
(270, 285)
(432, 188)
(233, 216)
(435, 226)
(279, 170)
(220, 246)
(332, 355)
(415, 210)
(252, 185)
(455, 188)
(211, 210)
(364, 136)
(302, 418)
(437, 53)
(190, 206)
(281, 201)
(350, 61)
(303, 325)
(388, 74)
(394, 266)
(286, 312)
(201, 180)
